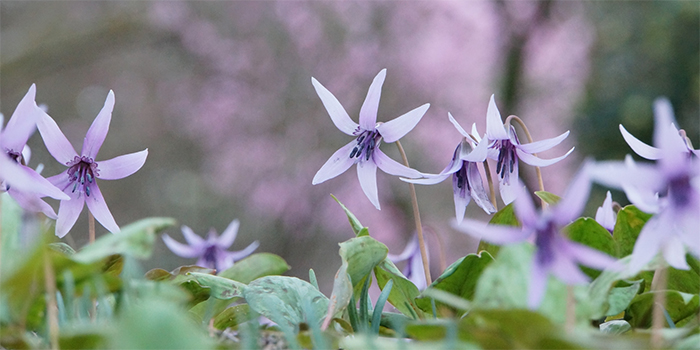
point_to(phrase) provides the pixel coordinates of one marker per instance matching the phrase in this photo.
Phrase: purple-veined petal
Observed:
(674, 253)
(238, 255)
(31, 202)
(98, 130)
(68, 212)
(535, 161)
(432, 180)
(639, 147)
(542, 145)
(497, 234)
(367, 174)
(57, 143)
(339, 116)
(459, 127)
(478, 192)
(575, 198)
(648, 243)
(180, 249)
(337, 164)
(192, 238)
(98, 207)
(229, 235)
(40, 185)
(22, 122)
(524, 207)
(494, 124)
(605, 215)
(507, 184)
(368, 111)
(538, 283)
(122, 166)
(391, 166)
(460, 206)
(401, 125)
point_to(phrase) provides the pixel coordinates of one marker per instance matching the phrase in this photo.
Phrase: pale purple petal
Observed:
(524, 207)
(40, 185)
(616, 173)
(639, 147)
(57, 143)
(586, 255)
(475, 133)
(122, 166)
(507, 184)
(98, 130)
(538, 284)
(401, 125)
(407, 252)
(460, 206)
(68, 212)
(535, 161)
(477, 154)
(497, 234)
(192, 238)
(417, 272)
(14, 175)
(644, 199)
(494, 124)
(433, 179)
(337, 164)
(478, 192)
(566, 270)
(339, 116)
(368, 111)
(22, 122)
(367, 174)
(648, 243)
(229, 235)
(26, 154)
(605, 215)
(98, 207)
(245, 252)
(663, 119)
(391, 166)
(542, 145)
(32, 202)
(180, 249)
(674, 253)
(459, 127)
(574, 200)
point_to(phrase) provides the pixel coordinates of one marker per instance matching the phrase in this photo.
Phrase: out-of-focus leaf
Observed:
(630, 221)
(354, 222)
(620, 298)
(615, 327)
(62, 248)
(220, 287)
(548, 197)
(589, 232)
(85, 336)
(505, 216)
(678, 305)
(403, 294)
(233, 316)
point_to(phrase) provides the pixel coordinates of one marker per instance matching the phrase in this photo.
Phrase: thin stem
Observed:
(658, 285)
(51, 306)
(570, 310)
(529, 139)
(416, 215)
(441, 246)
(492, 190)
(91, 227)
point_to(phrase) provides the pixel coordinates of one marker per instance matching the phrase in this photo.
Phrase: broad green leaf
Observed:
(548, 197)
(589, 232)
(403, 293)
(280, 298)
(460, 278)
(621, 297)
(678, 305)
(630, 221)
(220, 287)
(505, 216)
(615, 327)
(233, 316)
(354, 222)
(135, 240)
(62, 247)
(341, 294)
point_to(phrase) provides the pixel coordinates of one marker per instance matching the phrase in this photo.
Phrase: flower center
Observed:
(544, 242)
(210, 256)
(16, 156)
(506, 157)
(82, 171)
(680, 191)
(367, 141)
(459, 180)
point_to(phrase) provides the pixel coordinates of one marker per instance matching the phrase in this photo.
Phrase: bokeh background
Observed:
(220, 93)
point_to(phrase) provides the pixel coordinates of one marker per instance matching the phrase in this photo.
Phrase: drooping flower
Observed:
(414, 266)
(555, 254)
(21, 182)
(364, 150)
(212, 251)
(510, 150)
(466, 179)
(670, 189)
(79, 180)
(605, 215)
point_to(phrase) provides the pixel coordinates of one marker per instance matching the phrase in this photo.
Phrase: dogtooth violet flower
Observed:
(669, 189)
(79, 181)
(364, 149)
(414, 265)
(21, 182)
(212, 251)
(605, 215)
(555, 254)
(510, 150)
(466, 178)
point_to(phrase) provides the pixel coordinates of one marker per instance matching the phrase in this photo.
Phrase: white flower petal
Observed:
(98, 130)
(396, 128)
(98, 207)
(459, 127)
(391, 166)
(639, 147)
(339, 116)
(337, 164)
(368, 111)
(535, 161)
(367, 174)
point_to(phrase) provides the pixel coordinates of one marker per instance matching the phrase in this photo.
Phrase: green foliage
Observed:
(403, 293)
(630, 221)
(505, 216)
(548, 197)
(678, 305)
(589, 232)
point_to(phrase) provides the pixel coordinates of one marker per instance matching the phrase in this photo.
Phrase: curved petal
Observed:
(605, 215)
(566, 270)
(478, 154)
(643, 198)
(575, 198)
(542, 145)
(538, 283)
(639, 147)
(401, 125)
(431, 180)
(588, 256)
(461, 203)
(68, 212)
(192, 238)
(367, 174)
(408, 251)
(674, 253)
(40, 185)
(648, 244)
(494, 124)
(497, 234)
(368, 111)
(535, 161)
(22, 122)
(14, 175)
(238, 255)
(478, 191)
(180, 249)
(98, 207)
(32, 202)
(122, 166)
(508, 183)
(229, 235)
(524, 207)
(337, 164)
(663, 119)
(391, 166)
(98, 130)
(57, 143)
(459, 127)
(339, 116)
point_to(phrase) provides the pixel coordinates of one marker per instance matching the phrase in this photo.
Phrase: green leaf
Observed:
(460, 278)
(233, 316)
(630, 221)
(279, 298)
(403, 293)
(620, 298)
(550, 198)
(589, 232)
(362, 255)
(615, 327)
(135, 240)
(354, 222)
(505, 216)
(221, 288)
(678, 305)
(62, 247)
(379, 306)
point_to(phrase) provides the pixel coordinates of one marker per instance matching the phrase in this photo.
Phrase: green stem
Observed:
(658, 285)
(416, 215)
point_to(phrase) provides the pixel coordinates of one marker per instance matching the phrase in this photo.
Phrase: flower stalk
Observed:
(538, 171)
(658, 285)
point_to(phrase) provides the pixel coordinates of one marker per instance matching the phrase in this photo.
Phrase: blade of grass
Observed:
(377, 314)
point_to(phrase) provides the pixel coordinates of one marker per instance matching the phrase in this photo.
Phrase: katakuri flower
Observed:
(510, 150)
(79, 180)
(21, 182)
(466, 178)
(555, 254)
(670, 189)
(212, 251)
(605, 215)
(414, 270)
(364, 150)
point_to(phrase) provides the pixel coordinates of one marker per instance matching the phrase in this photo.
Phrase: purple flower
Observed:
(466, 179)
(21, 182)
(414, 267)
(79, 180)
(555, 254)
(605, 215)
(212, 251)
(670, 189)
(510, 150)
(364, 150)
